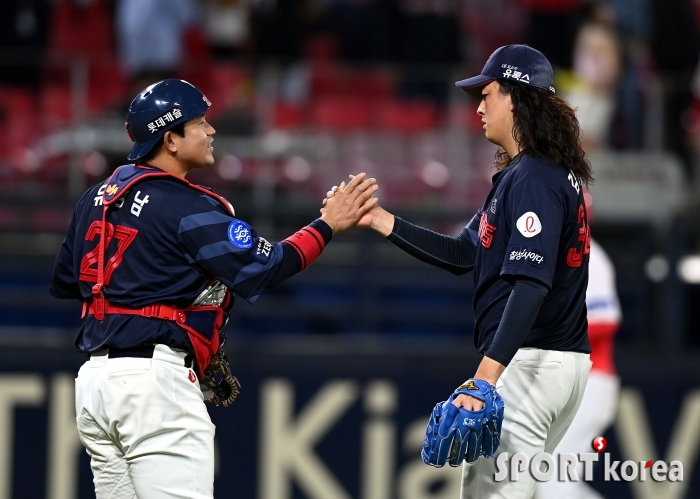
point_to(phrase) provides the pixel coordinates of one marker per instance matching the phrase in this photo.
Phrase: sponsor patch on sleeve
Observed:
(262, 251)
(529, 224)
(530, 255)
(240, 234)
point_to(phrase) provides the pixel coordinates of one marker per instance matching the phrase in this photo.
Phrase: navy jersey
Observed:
(533, 225)
(167, 240)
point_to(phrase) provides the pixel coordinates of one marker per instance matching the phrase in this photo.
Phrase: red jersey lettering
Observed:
(486, 231)
(574, 258)
(88, 265)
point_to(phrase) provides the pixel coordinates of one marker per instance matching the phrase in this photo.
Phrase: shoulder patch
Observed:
(240, 234)
(529, 224)
(263, 250)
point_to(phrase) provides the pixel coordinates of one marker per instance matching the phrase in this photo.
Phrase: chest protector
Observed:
(202, 321)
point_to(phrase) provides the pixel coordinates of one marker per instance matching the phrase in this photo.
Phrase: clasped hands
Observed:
(362, 210)
(349, 203)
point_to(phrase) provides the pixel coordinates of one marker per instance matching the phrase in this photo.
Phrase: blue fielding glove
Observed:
(456, 434)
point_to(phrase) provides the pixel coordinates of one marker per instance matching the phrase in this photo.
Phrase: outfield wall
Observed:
(320, 418)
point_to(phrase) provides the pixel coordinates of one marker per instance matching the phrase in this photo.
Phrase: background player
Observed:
(599, 404)
(528, 246)
(142, 248)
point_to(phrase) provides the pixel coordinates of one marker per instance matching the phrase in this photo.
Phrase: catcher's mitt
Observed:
(219, 386)
(456, 434)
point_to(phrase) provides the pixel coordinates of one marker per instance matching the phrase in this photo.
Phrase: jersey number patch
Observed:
(574, 258)
(88, 265)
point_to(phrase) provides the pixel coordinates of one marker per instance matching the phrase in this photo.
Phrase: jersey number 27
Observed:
(88, 265)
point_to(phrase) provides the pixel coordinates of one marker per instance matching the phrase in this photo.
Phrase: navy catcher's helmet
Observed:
(157, 109)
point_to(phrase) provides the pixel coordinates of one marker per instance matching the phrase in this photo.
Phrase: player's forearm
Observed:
(454, 254)
(489, 370)
(518, 317)
(301, 249)
(382, 221)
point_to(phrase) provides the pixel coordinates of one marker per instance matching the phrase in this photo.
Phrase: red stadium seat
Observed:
(56, 105)
(17, 118)
(84, 30)
(338, 114)
(370, 83)
(289, 116)
(107, 85)
(405, 117)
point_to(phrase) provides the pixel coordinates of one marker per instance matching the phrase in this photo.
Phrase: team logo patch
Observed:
(191, 376)
(530, 255)
(240, 234)
(529, 224)
(263, 250)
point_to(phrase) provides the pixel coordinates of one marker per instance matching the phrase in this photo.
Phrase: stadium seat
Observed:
(81, 30)
(405, 117)
(289, 116)
(339, 114)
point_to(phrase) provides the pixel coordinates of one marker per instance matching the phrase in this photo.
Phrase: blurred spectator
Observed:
(633, 17)
(366, 28)
(23, 38)
(280, 27)
(675, 47)
(429, 42)
(228, 25)
(552, 27)
(592, 85)
(150, 34)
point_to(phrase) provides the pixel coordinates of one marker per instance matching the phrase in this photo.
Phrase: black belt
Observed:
(143, 352)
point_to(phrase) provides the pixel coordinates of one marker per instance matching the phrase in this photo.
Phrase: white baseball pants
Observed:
(145, 427)
(597, 412)
(541, 391)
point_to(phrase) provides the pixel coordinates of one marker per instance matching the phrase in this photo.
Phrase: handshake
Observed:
(352, 204)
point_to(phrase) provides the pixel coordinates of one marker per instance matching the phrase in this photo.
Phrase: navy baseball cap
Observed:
(157, 109)
(519, 63)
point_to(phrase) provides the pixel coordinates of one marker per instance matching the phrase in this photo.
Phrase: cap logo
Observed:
(161, 122)
(522, 75)
(204, 98)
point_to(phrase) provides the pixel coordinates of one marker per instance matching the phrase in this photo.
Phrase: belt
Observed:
(142, 352)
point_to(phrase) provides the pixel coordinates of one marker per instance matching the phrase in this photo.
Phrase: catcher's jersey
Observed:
(168, 239)
(533, 224)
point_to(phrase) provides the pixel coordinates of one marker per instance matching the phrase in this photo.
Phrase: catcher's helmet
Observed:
(157, 109)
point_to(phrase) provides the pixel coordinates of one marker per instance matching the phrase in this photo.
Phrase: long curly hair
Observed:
(545, 125)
